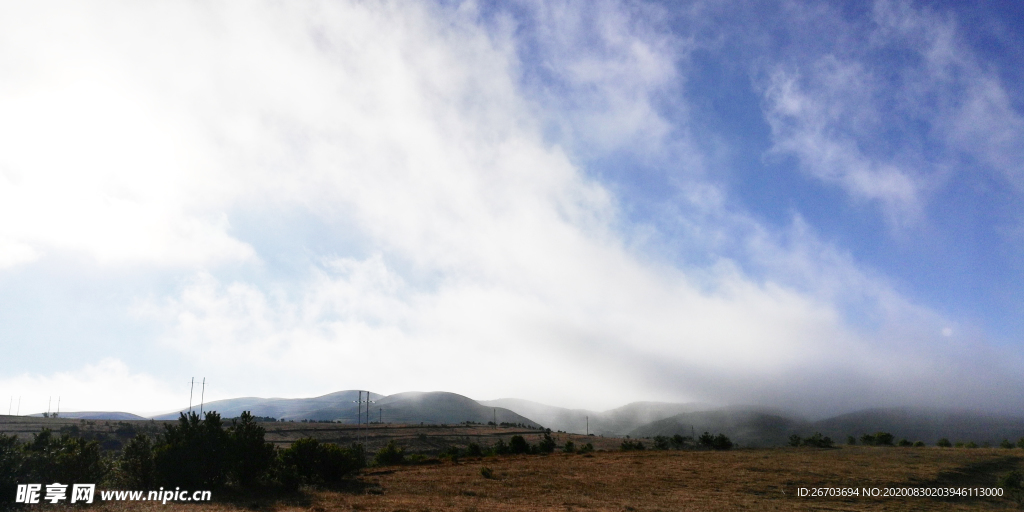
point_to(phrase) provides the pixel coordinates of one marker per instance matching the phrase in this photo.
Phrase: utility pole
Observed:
(48, 400)
(58, 405)
(202, 397)
(191, 388)
(494, 412)
(588, 425)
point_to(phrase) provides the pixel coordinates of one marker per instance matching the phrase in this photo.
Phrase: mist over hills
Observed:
(747, 426)
(758, 427)
(614, 422)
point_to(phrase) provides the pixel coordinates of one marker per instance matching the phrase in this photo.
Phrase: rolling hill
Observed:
(98, 415)
(758, 427)
(281, 408)
(411, 407)
(747, 427)
(614, 422)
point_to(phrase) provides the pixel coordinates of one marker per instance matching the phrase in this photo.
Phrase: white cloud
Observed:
(494, 264)
(806, 123)
(95, 387)
(839, 110)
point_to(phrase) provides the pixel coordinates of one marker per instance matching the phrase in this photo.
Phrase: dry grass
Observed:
(604, 480)
(652, 481)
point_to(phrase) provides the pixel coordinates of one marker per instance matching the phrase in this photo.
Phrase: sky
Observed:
(812, 206)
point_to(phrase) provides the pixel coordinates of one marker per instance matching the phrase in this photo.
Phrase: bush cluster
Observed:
(49, 458)
(631, 445)
(718, 442)
(816, 441)
(192, 454)
(877, 439)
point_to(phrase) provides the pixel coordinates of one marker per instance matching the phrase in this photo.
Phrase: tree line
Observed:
(194, 453)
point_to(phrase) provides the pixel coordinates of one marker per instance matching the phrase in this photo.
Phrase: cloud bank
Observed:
(404, 197)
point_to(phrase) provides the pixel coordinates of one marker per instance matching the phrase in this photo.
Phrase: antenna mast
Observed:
(202, 399)
(190, 389)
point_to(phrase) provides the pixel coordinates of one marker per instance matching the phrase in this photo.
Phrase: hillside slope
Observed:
(615, 422)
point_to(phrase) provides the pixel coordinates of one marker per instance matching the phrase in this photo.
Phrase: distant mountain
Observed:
(281, 408)
(745, 426)
(758, 427)
(614, 422)
(411, 407)
(90, 415)
(431, 407)
(928, 425)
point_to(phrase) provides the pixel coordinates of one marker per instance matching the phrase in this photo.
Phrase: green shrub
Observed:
(795, 440)
(474, 450)
(390, 455)
(546, 445)
(678, 441)
(662, 443)
(486, 472)
(1020, 443)
(1006, 444)
(450, 453)
(1012, 484)
(287, 476)
(919, 444)
(959, 444)
(136, 468)
(867, 440)
(721, 442)
(518, 444)
(850, 440)
(904, 442)
(11, 465)
(971, 444)
(883, 439)
(570, 447)
(944, 443)
(706, 440)
(251, 456)
(631, 445)
(64, 459)
(587, 448)
(194, 454)
(818, 441)
(500, 448)
(322, 463)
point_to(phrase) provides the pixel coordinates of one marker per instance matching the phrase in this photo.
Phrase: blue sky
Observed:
(808, 205)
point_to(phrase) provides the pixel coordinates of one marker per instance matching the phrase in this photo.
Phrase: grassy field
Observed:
(611, 480)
